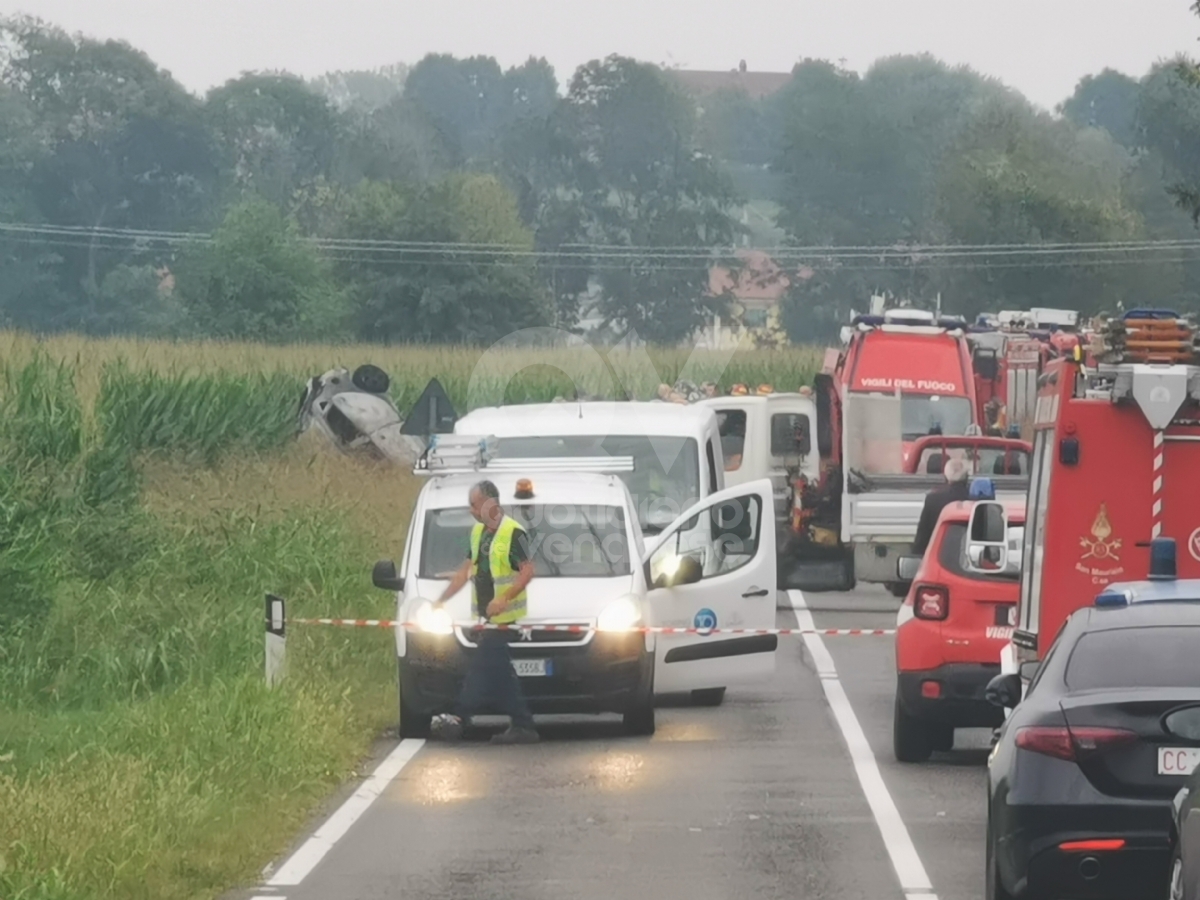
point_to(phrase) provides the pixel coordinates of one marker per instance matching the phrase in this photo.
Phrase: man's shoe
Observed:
(516, 735)
(446, 728)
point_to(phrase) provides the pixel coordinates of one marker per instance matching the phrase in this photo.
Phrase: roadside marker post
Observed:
(276, 647)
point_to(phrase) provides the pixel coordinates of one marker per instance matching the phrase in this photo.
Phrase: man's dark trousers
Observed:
(492, 685)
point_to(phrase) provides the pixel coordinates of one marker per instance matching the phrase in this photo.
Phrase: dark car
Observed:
(1085, 769)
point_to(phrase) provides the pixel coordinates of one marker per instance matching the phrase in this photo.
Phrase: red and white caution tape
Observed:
(580, 629)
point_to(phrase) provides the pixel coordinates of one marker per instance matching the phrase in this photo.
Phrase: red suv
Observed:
(949, 634)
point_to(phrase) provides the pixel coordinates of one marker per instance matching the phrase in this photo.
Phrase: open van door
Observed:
(714, 568)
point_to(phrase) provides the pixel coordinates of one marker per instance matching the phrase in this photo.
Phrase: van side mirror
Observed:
(907, 568)
(987, 539)
(384, 576)
(1004, 691)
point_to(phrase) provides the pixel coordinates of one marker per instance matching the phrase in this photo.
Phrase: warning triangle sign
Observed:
(432, 413)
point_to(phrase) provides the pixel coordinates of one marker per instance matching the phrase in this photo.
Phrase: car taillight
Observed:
(931, 601)
(1071, 743)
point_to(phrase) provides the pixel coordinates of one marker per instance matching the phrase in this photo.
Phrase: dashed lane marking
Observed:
(914, 881)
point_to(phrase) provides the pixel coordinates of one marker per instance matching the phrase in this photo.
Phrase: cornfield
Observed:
(150, 493)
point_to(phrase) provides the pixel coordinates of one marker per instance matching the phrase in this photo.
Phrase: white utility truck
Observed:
(676, 449)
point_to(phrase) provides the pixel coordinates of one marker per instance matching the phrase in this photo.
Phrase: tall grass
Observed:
(149, 494)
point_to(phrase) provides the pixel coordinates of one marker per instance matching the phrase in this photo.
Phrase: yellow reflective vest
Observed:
(503, 573)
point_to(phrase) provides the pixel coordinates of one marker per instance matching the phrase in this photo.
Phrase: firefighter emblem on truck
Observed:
(1100, 547)
(1100, 558)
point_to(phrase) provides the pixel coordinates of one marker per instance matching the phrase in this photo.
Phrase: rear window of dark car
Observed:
(1155, 656)
(951, 554)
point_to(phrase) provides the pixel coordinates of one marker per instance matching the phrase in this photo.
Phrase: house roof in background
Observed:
(756, 84)
(759, 278)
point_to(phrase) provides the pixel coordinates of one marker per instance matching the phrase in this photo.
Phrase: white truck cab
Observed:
(768, 436)
(712, 568)
(676, 449)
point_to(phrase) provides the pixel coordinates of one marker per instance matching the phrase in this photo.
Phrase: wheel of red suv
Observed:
(993, 887)
(941, 738)
(911, 740)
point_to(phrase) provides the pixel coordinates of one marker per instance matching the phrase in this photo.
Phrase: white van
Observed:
(676, 449)
(712, 568)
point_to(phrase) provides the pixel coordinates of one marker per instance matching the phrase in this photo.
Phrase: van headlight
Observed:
(620, 615)
(434, 619)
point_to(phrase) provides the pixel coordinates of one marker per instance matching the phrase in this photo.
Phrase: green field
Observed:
(150, 493)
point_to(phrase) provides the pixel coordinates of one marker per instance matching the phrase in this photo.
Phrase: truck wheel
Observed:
(849, 582)
(413, 724)
(708, 697)
(640, 719)
(911, 741)
(897, 589)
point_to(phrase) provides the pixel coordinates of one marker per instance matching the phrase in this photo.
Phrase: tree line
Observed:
(455, 200)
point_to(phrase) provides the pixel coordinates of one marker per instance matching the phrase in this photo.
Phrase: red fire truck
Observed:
(901, 376)
(1116, 462)
(1008, 354)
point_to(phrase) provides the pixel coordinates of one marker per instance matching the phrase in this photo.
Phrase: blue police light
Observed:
(1162, 560)
(1111, 599)
(982, 489)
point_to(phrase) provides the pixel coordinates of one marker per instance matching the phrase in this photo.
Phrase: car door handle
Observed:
(755, 592)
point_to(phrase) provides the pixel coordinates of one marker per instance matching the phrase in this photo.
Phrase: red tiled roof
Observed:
(759, 278)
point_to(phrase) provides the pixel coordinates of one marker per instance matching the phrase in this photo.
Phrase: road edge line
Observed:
(914, 880)
(312, 851)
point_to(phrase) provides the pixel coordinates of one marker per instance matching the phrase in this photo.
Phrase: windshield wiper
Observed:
(608, 566)
(535, 550)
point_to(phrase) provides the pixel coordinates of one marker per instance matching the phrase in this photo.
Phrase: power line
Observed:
(611, 256)
(893, 248)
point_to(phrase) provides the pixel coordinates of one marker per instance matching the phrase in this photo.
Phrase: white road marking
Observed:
(314, 849)
(914, 880)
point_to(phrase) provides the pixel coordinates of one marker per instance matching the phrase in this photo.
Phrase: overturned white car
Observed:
(355, 413)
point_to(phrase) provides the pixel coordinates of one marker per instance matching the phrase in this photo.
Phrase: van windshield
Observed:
(665, 480)
(566, 540)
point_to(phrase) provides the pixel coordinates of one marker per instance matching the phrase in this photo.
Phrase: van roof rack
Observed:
(457, 454)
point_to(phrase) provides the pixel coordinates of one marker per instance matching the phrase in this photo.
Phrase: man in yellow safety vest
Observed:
(499, 567)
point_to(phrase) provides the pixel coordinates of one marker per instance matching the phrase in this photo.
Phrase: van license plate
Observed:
(1178, 760)
(532, 668)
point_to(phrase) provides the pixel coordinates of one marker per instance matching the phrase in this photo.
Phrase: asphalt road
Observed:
(760, 797)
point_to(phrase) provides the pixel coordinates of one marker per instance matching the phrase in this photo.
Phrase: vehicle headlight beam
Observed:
(434, 619)
(620, 615)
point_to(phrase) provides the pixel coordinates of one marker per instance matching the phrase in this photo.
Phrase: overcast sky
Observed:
(1041, 47)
